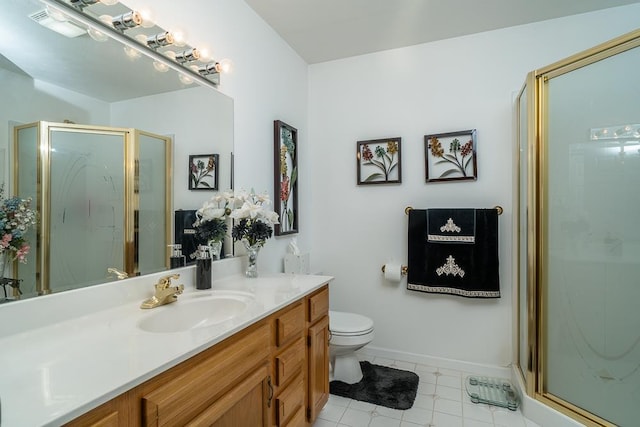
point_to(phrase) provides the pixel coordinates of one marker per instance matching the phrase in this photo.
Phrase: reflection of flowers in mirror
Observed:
(211, 218)
(16, 217)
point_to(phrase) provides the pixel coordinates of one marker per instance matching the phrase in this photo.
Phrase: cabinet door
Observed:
(244, 405)
(110, 414)
(318, 367)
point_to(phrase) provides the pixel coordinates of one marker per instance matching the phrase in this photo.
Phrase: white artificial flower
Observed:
(272, 217)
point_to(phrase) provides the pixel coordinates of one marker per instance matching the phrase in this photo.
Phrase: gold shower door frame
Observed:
(535, 89)
(131, 193)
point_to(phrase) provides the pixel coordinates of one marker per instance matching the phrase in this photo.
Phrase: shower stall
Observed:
(103, 197)
(579, 234)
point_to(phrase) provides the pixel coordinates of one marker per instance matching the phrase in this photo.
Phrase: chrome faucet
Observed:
(118, 273)
(165, 293)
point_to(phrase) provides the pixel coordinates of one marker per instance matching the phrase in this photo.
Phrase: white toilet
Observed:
(349, 333)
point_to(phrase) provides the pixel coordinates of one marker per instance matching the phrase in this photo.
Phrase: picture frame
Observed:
(451, 156)
(285, 182)
(203, 172)
(379, 161)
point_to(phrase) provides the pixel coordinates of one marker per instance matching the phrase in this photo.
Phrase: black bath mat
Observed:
(380, 385)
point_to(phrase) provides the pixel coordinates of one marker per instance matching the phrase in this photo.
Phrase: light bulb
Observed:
(205, 54)
(179, 37)
(141, 38)
(160, 67)
(131, 53)
(226, 66)
(185, 79)
(98, 35)
(147, 18)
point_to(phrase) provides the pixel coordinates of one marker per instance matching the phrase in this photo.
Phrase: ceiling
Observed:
(325, 30)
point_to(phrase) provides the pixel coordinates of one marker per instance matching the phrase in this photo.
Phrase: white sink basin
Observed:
(197, 310)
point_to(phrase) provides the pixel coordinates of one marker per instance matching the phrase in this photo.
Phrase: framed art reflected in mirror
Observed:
(203, 172)
(285, 185)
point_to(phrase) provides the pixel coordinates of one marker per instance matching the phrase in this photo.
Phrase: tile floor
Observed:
(441, 401)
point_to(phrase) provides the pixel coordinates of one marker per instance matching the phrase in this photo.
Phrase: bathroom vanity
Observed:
(262, 360)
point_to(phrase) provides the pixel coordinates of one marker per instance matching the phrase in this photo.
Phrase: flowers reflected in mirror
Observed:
(451, 156)
(211, 221)
(16, 218)
(379, 161)
(203, 172)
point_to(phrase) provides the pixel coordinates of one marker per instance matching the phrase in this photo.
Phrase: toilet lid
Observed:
(341, 323)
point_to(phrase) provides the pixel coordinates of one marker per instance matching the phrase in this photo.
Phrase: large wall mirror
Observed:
(49, 79)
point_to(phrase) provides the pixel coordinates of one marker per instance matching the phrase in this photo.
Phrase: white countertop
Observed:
(64, 354)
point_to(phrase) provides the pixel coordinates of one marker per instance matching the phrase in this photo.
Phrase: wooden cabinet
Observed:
(317, 352)
(273, 373)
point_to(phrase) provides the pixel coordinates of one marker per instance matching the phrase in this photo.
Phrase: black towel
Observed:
(451, 225)
(454, 267)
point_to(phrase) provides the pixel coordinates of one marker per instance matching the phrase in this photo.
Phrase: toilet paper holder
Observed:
(404, 269)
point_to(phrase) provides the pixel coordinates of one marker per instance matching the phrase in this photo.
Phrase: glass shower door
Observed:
(87, 206)
(591, 239)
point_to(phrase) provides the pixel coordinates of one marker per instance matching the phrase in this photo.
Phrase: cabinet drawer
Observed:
(289, 401)
(318, 305)
(289, 362)
(289, 325)
(203, 379)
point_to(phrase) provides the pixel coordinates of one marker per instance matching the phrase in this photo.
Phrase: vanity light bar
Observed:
(630, 131)
(92, 22)
(126, 20)
(159, 40)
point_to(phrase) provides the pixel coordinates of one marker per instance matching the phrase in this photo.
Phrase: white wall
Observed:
(25, 100)
(450, 85)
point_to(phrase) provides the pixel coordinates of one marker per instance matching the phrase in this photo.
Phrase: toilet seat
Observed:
(349, 324)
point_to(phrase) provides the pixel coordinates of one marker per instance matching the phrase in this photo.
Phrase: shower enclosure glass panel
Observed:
(592, 239)
(151, 187)
(27, 175)
(522, 252)
(87, 213)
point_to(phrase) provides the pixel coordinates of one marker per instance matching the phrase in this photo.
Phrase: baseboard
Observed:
(459, 365)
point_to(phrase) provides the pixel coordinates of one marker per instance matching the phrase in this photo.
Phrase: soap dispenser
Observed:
(176, 260)
(203, 268)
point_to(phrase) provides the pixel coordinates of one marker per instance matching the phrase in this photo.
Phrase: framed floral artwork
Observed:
(203, 172)
(285, 138)
(451, 156)
(379, 161)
